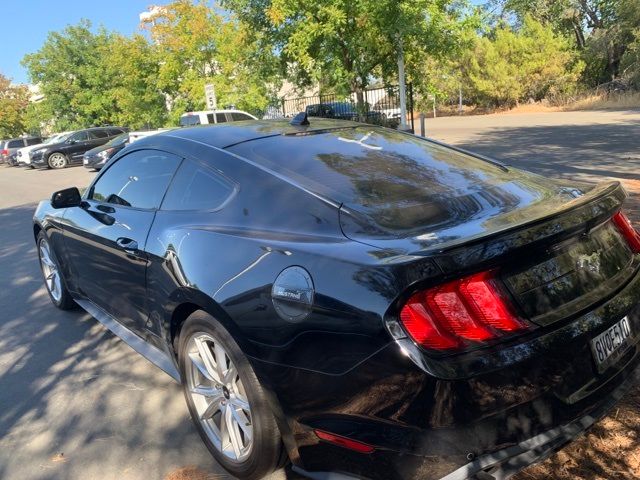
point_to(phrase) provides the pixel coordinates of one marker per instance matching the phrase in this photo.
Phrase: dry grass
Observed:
(603, 101)
(607, 101)
(610, 451)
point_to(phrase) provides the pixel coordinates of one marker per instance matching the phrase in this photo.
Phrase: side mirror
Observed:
(69, 197)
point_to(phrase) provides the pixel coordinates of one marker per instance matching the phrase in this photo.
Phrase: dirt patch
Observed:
(609, 451)
(193, 473)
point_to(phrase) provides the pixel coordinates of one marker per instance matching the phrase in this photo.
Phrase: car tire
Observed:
(57, 160)
(52, 275)
(249, 445)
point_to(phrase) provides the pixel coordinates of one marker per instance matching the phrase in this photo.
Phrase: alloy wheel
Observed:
(50, 271)
(219, 397)
(57, 160)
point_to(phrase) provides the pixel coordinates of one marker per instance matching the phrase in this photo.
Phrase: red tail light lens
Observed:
(628, 232)
(4, 152)
(460, 314)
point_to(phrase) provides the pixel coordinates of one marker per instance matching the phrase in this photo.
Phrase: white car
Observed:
(206, 117)
(133, 136)
(22, 154)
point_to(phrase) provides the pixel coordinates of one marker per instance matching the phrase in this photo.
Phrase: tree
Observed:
(93, 79)
(344, 45)
(601, 28)
(512, 65)
(197, 46)
(131, 66)
(13, 102)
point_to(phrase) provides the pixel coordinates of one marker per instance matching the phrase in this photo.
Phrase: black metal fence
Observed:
(378, 106)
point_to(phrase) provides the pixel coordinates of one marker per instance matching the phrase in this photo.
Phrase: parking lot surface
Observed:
(76, 403)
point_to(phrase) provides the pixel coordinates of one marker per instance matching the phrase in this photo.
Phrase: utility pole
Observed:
(402, 87)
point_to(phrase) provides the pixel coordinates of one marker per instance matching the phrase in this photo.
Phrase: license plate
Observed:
(611, 344)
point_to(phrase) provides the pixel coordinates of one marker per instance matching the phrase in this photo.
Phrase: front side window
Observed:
(34, 141)
(137, 180)
(79, 137)
(197, 187)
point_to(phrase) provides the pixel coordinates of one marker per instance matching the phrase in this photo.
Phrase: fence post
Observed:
(423, 133)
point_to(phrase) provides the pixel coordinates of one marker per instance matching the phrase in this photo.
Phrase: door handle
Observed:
(127, 244)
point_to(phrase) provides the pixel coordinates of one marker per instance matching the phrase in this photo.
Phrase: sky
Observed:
(25, 24)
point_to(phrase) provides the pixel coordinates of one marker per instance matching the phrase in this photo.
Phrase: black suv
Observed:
(344, 111)
(70, 149)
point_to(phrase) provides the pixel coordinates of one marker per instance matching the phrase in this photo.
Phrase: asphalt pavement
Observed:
(76, 403)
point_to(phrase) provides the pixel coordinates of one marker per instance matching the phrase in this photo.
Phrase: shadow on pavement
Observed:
(75, 402)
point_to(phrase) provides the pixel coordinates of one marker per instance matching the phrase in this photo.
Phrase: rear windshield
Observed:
(381, 172)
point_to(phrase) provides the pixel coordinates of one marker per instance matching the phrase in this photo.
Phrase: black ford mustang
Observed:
(355, 299)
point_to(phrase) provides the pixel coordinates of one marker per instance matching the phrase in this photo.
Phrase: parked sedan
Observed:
(70, 150)
(359, 300)
(97, 157)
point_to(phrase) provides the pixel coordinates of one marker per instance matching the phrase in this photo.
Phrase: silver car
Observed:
(9, 148)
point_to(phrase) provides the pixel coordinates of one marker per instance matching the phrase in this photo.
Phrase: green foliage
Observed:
(343, 45)
(515, 65)
(603, 30)
(197, 46)
(92, 79)
(13, 102)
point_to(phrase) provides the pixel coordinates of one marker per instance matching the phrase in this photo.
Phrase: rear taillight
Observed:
(460, 314)
(628, 232)
(4, 152)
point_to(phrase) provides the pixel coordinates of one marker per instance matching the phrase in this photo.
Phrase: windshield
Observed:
(119, 140)
(188, 120)
(61, 138)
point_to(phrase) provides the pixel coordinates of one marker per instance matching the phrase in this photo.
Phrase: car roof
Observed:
(231, 133)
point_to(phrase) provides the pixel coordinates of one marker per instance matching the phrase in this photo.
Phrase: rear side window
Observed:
(210, 119)
(94, 134)
(34, 141)
(114, 131)
(138, 179)
(197, 187)
(236, 116)
(15, 143)
(221, 117)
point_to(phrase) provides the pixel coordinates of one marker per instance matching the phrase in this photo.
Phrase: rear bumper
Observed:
(523, 403)
(505, 463)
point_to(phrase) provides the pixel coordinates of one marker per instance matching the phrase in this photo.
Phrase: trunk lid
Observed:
(557, 255)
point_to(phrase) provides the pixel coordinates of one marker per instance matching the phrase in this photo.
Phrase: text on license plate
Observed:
(612, 341)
